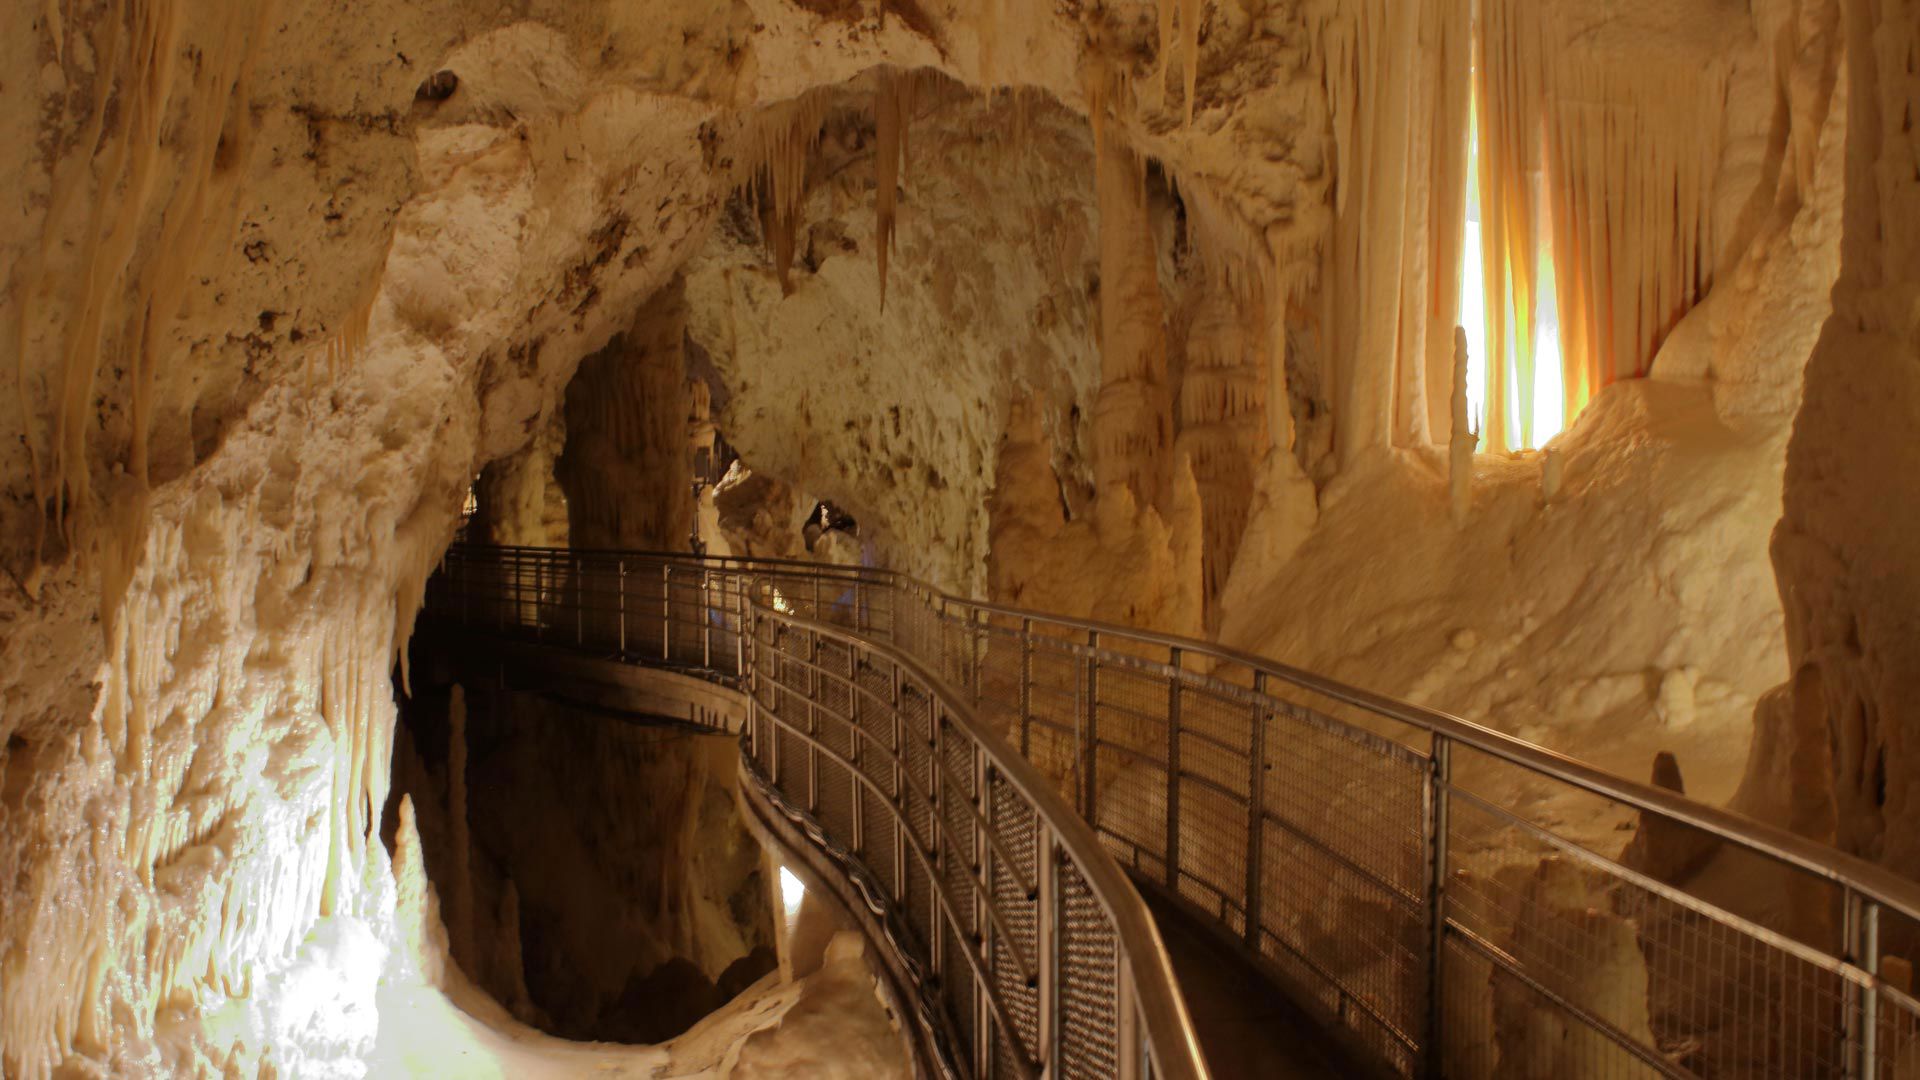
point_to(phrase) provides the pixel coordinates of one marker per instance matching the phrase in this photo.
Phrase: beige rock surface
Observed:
(275, 292)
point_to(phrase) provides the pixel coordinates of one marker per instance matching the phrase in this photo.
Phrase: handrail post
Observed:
(1256, 812)
(620, 568)
(706, 619)
(1172, 847)
(579, 603)
(666, 611)
(1860, 1026)
(1047, 946)
(749, 677)
(813, 722)
(743, 628)
(1026, 688)
(899, 786)
(1870, 994)
(976, 623)
(1089, 730)
(540, 600)
(1440, 774)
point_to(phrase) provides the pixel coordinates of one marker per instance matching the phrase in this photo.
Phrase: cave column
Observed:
(1133, 422)
(1844, 550)
(627, 467)
(1222, 419)
(516, 497)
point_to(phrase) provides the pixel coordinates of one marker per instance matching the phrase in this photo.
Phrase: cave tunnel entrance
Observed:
(594, 872)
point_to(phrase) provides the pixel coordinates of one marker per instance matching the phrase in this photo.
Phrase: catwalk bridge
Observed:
(1007, 799)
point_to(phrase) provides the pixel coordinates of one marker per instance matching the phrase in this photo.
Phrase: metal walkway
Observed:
(982, 776)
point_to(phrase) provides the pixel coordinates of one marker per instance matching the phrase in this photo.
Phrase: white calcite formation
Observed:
(1167, 338)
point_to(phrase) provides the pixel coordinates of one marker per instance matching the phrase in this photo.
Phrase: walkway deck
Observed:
(1248, 1029)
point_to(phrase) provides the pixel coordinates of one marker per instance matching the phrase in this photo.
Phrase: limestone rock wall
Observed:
(517, 499)
(609, 854)
(627, 467)
(278, 287)
(1843, 550)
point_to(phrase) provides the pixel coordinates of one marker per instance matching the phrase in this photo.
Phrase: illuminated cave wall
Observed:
(276, 293)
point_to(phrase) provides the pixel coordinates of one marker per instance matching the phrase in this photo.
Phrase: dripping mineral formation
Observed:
(1552, 364)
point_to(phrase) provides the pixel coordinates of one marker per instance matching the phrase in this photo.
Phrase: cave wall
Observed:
(600, 881)
(517, 499)
(275, 296)
(1843, 551)
(1621, 606)
(627, 466)
(895, 413)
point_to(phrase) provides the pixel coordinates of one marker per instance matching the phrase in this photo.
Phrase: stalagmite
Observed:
(1552, 463)
(1221, 417)
(460, 896)
(1133, 426)
(1461, 448)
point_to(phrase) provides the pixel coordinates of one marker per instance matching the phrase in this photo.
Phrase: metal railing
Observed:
(1451, 900)
(1031, 953)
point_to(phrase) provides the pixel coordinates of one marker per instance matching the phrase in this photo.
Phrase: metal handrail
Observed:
(1160, 1002)
(1890, 889)
(594, 600)
(1846, 1018)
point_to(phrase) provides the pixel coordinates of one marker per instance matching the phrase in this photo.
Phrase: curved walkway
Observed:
(978, 769)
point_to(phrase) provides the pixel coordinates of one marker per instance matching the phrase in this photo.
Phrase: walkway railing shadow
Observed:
(1447, 899)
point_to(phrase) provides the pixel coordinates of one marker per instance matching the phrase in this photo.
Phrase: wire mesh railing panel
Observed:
(1358, 796)
(1897, 1034)
(1311, 903)
(1089, 1012)
(1013, 879)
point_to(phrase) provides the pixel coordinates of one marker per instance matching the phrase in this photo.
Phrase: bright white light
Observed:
(791, 892)
(780, 605)
(1549, 398)
(1549, 378)
(1473, 292)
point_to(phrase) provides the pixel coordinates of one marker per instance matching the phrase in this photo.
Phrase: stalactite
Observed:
(1626, 204)
(460, 895)
(1190, 49)
(1394, 78)
(193, 173)
(1464, 440)
(1189, 14)
(1509, 85)
(1450, 36)
(775, 149)
(1614, 140)
(893, 103)
(1132, 423)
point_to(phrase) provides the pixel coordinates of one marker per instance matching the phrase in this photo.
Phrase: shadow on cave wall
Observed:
(612, 891)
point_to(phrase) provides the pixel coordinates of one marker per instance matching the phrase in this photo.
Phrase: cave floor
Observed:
(1247, 1027)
